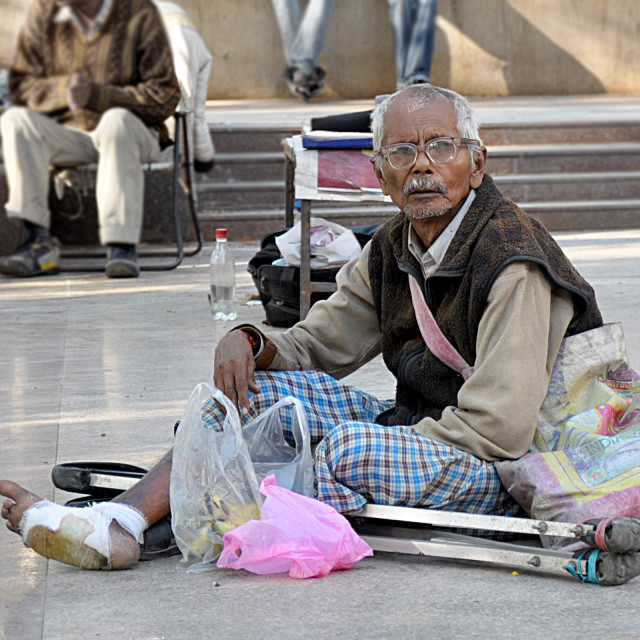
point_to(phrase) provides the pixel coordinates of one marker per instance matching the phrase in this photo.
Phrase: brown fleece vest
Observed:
(493, 233)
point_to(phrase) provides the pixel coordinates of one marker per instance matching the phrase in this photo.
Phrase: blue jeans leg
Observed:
(413, 24)
(303, 36)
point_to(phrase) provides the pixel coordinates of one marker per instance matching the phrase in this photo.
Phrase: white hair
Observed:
(421, 95)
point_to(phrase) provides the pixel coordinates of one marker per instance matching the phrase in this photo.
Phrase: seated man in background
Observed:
(500, 290)
(92, 81)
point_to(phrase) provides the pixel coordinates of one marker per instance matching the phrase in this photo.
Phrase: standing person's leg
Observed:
(31, 143)
(302, 40)
(311, 35)
(420, 48)
(124, 143)
(400, 15)
(288, 16)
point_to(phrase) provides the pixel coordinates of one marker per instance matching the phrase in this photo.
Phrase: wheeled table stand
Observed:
(610, 545)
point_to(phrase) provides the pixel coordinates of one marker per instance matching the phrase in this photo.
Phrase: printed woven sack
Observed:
(585, 459)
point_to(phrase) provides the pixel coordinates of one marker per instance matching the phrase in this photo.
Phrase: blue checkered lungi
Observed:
(357, 461)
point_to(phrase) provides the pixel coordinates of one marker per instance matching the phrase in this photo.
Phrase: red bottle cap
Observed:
(221, 234)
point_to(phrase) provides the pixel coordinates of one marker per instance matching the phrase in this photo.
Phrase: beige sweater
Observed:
(518, 341)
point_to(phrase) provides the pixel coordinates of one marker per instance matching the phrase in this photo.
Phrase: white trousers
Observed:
(120, 144)
(192, 63)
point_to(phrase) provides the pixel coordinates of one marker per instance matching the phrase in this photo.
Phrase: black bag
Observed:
(279, 287)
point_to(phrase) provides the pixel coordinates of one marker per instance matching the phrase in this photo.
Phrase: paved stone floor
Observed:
(95, 369)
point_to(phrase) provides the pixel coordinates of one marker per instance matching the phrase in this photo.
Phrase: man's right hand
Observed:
(233, 368)
(78, 91)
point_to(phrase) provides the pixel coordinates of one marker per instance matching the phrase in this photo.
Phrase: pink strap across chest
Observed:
(433, 337)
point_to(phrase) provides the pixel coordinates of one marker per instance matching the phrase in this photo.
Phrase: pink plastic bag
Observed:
(303, 536)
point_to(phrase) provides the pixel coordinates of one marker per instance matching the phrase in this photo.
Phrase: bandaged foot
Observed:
(103, 536)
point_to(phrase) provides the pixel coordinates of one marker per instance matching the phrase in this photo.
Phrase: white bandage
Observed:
(93, 521)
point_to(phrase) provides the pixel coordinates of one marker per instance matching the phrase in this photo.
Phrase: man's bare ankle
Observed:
(125, 550)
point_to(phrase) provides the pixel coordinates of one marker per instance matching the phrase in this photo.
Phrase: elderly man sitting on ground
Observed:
(501, 291)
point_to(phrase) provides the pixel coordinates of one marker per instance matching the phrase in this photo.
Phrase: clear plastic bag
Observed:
(331, 244)
(214, 482)
(303, 536)
(270, 453)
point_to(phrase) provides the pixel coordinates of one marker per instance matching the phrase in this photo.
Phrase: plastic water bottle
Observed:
(222, 278)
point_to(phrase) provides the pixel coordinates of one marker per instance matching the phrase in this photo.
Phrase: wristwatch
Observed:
(256, 340)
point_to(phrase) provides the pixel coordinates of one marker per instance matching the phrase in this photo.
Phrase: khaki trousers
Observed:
(120, 144)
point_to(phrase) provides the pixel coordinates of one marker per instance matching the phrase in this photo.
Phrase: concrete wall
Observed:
(483, 47)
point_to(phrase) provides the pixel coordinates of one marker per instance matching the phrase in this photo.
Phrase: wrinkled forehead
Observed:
(410, 112)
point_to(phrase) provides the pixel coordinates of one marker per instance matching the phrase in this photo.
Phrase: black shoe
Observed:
(315, 81)
(203, 167)
(159, 541)
(297, 81)
(37, 257)
(122, 263)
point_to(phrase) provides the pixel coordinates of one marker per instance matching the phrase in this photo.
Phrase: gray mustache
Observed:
(423, 184)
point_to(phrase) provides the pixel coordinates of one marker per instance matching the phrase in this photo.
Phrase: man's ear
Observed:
(477, 172)
(381, 179)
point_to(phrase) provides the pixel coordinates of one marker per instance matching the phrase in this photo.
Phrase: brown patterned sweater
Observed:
(129, 61)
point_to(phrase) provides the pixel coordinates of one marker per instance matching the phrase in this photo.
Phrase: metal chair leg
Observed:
(190, 187)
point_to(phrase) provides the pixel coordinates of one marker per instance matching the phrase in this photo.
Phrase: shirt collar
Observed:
(432, 257)
(67, 14)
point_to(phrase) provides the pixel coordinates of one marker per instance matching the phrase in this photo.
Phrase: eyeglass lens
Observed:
(404, 155)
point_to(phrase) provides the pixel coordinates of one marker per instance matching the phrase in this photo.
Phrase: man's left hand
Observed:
(78, 91)
(233, 369)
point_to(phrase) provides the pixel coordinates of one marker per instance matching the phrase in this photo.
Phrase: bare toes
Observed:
(19, 500)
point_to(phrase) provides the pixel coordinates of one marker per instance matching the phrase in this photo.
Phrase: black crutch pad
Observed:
(76, 477)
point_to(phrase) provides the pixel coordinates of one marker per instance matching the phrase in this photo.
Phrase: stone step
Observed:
(231, 182)
(250, 139)
(245, 165)
(556, 216)
(577, 168)
(261, 138)
(603, 185)
(250, 225)
(502, 159)
(560, 132)
(586, 214)
(545, 187)
(241, 194)
(551, 158)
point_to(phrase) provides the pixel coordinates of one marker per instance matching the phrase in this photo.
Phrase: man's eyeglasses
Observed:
(439, 150)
